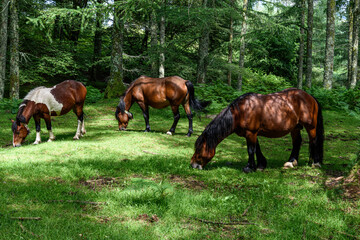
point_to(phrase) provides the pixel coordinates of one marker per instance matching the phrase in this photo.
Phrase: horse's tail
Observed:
(197, 105)
(319, 139)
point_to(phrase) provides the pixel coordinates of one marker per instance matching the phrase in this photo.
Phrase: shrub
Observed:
(10, 105)
(93, 94)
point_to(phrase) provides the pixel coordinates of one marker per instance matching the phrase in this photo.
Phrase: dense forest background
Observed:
(227, 45)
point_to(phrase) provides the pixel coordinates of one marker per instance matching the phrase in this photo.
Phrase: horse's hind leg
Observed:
(189, 116)
(47, 119)
(314, 155)
(175, 110)
(261, 160)
(78, 110)
(296, 142)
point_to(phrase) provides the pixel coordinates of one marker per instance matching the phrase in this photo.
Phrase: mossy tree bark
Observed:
(301, 47)
(115, 85)
(203, 52)
(242, 43)
(14, 50)
(3, 46)
(330, 45)
(309, 41)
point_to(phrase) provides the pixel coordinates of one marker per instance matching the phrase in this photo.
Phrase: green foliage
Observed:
(339, 98)
(93, 94)
(10, 105)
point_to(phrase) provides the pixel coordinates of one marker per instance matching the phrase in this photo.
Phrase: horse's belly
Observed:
(272, 134)
(160, 104)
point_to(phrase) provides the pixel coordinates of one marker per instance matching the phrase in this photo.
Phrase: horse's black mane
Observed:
(220, 127)
(19, 117)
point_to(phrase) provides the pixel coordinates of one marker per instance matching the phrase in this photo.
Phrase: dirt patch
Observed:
(350, 184)
(146, 218)
(188, 182)
(99, 182)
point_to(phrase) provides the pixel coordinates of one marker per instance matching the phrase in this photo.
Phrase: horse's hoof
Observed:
(188, 135)
(288, 165)
(248, 170)
(316, 165)
(76, 138)
(260, 169)
(36, 142)
(50, 140)
(169, 133)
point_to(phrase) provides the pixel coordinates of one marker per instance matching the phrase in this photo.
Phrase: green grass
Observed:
(145, 188)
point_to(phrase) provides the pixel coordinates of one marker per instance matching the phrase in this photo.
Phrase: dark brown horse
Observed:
(45, 102)
(158, 93)
(273, 115)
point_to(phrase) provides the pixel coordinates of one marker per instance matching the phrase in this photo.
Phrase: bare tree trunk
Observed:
(3, 46)
(230, 55)
(355, 45)
(14, 50)
(153, 44)
(115, 85)
(330, 45)
(301, 48)
(310, 21)
(351, 32)
(242, 43)
(97, 44)
(203, 51)
(162, 46)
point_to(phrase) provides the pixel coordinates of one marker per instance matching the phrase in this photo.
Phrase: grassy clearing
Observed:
(136, 185)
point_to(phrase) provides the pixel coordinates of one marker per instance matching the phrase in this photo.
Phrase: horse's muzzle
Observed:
(196, 166)
(17, 145)
(122, 129)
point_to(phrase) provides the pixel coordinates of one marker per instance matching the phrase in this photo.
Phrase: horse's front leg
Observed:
(145, 110)
(251, 148)
(79, 127)
(47, 119)
(38, 129)
(175, 110)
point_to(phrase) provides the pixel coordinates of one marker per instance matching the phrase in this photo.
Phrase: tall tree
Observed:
(3, 46)
(354, 48)
(203, 51)
(14, 50)
(115, 85)
(153, 43)
(97, 43)
(162, 42)
(301, 47)
(242, 42)
(330, 44)
(230, 49)
(309, 42)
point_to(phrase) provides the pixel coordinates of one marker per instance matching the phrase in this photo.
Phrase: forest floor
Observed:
(136, 185)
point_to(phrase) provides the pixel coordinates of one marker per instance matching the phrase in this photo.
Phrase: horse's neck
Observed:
(28, 111)
(128, 101)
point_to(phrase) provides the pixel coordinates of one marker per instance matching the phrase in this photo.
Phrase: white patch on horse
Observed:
(43, 95)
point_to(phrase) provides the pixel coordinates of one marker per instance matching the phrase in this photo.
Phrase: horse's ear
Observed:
(12, 120)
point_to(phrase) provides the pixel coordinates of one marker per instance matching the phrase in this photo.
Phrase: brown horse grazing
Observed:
(45, 102)
(158, 93)
(273, 115)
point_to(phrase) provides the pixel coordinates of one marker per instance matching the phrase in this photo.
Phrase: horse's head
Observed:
(20, 131)
(202, 156)
(123, 117)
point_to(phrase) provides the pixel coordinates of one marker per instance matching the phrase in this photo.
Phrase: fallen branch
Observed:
(245, 212)
(78, 201)
(150, 152)
(25, 218)
(25, 230)
(225, 223)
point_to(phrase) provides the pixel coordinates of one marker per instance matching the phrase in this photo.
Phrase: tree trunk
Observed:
(203, 51)
(330, 45)
(115, 85)
(310, 21)
(153, 44)
(242, 43)
(97, 44)
(230, 55)
(162, 47)
(3, 46)
(301, 47)
(351, 32)
(355, 45)
(14, 50)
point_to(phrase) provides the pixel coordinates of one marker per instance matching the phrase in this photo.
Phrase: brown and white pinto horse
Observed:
(158, 93)
(273, 115)
(45, 102)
